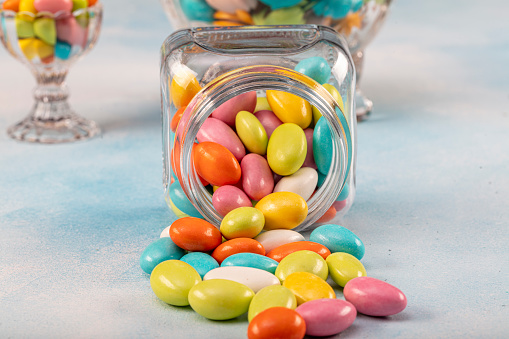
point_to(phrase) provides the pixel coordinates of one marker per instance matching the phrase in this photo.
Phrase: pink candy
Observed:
(53, 6)
(227, 198)
(325, 317)
(217, 131)
(257, 179)
(310, 159)
(242, 102)
(268, 120)
(70, 31)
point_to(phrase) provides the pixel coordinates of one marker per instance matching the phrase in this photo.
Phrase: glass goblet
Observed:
(48, 41)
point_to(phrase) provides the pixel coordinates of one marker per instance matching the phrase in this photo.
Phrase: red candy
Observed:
(194, 234)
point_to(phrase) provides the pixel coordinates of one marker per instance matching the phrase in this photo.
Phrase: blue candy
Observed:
(62, 50)
(160, 250)
(201, 262)
(251, 260)
(197, 10)
(180, 201)
(322, 145)
(276, 4)
(321, 179)
(356, 5)
(337, 9)
(316, 68)
(344, 193)
(338, 239)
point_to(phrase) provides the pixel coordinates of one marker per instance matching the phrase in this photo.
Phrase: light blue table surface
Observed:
(432, 183)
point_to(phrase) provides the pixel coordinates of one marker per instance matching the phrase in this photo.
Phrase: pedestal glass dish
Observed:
(49, 41)
(357, 20)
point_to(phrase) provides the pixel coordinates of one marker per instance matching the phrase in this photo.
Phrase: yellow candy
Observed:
(302, 261)
(178, 213)
(27, 6)
(335, 94)
(32, 48)
(282, 210)
(242, 222)
(287, 149)
(307, 286)
(262, 105)
(183, 87)
(290, 108)
(271, 296)
(251, 132)
(343, 267)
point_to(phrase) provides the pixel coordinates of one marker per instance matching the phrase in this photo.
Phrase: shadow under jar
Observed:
(217, 81)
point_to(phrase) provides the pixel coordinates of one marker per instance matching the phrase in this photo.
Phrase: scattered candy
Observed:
(254, 278)
(237, 245)
(280, 252)
(338, 239)
(172, 280)
(242, 222)
(307, 286)
(271, 296)
(302, 261)
(276, 238)
(277, 322)
(160, 250)
(201, 262)
(193, 234)
(344, 267)
(227, 198)
(251, 260)
(326, 317)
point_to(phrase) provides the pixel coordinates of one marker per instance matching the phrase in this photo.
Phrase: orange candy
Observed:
(91, 2)
(282, 251)
(216, 164)
(175, 162)
(194, 234)
(176, 118)
(277, 322)
(328, 215)
(11, 5)
(237, 245)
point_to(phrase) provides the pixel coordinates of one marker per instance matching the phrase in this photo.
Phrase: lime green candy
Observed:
(242, 222)
(287, 149)
(171, 281)
(302, 261)
(220, 299)
(252, 133)
(45, 29)
(79, 4)
(24, 28)
(262, 104)
(335, 94)
(343, 267)
(271, 296)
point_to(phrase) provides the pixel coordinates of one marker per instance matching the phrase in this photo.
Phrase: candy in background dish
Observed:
(357, 20)
(49, 36)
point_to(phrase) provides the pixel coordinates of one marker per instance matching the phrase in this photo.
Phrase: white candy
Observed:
(303, 182)
(275, 238)
(254, 278)
(166, 232)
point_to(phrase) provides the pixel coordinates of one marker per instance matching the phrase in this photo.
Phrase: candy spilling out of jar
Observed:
(272, 152)
(49, 29)
(285, 295)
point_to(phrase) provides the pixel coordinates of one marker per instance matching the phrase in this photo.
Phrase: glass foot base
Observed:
(363, 106)
(53, 131)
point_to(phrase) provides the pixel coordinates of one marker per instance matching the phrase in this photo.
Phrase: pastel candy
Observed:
(290, 108)
(268, 120)
(165, 232)
(309, 161)
(303, 182)
(338, 11)
(307, 286)
(344, 193)
(237, 245)
(322, 146)
(201, 262)
(172, 280)
(302, 261)
(160, 250)
(275, 4)
(32, 48)
(321, 179)
(338, 239)
(24, 28)
(254, 278)
(220, 299)
(287, 148)
(257, 178)
(45, 29)
(62, 50)
(327, 317)
(277, 322)
(27, 6)
(79, 4)
(276, 238)
(284, 210)
(228, 110)
(261, 105)
(271, 296)
(356, 5)
(194, 234)
(251, 260)
(179, 199)
(178, 213)
(280, 252)
(242, 222)
(344, 267)
(215, 130)
(374, 297)
(251, 132)
(316, 68)
(53, 6)
(68, 30)
(216, 164)
(197, 10)
(227, 198)
(335, 94)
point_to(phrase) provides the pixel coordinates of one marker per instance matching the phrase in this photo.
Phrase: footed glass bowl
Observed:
(48, 37)
(357, 20)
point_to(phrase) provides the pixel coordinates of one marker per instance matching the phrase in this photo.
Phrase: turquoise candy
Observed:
(322, 145)
(275, 4)
(336, 9)
(180, 200)
(321, 179)
(201, 262)
(338, 239)
(316, 68)
(251, 260)
(197, 10)
(160, 250)
(356, 5)
(344, 193)
(62, 50)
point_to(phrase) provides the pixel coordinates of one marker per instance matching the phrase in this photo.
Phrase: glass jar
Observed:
(212, 66)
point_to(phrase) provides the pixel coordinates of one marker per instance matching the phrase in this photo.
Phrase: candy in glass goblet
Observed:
(48, 36)
(357, 20)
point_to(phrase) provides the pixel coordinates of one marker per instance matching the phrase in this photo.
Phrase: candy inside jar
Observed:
(275, 138)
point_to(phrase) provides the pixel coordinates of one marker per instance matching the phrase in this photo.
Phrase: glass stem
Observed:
(51, 96)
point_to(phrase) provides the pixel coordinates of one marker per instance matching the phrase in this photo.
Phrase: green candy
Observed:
(302, 261)
(242, 222)
(24, 28)
(287, 149)
(271, 296)
(45, 29)
(220, 299)
(79, 4)
(344, 267)
(252, 133)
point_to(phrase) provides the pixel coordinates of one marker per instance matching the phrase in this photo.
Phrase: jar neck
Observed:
(261, 78)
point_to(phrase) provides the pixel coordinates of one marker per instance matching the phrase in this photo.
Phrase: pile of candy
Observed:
(271, 152)
(276, 276)
(49, 29)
